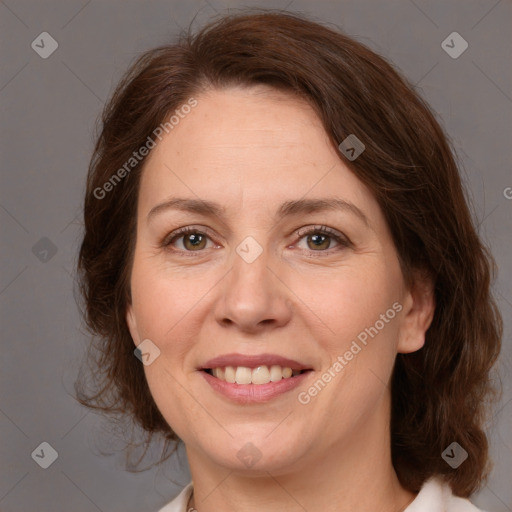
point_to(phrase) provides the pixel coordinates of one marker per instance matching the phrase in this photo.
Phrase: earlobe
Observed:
(418, 315)
(132, 324)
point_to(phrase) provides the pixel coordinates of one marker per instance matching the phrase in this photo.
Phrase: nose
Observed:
(253, 297)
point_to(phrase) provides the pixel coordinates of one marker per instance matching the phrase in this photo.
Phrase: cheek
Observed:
(165, 307)
(363, 312)
(356, 303)
(164, 302)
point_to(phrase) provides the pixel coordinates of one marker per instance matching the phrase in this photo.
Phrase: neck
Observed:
(347, 477)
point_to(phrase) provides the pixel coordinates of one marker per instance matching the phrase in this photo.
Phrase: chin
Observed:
(257, 455)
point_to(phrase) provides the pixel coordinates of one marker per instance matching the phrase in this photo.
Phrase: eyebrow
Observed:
(287, 209)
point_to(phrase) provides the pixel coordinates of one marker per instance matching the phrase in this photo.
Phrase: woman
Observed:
(276, 227)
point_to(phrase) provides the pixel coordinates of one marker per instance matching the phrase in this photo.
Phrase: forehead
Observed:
(250, 147)
(233, 121)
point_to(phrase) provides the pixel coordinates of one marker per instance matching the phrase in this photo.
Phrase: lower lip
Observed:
(254, 393)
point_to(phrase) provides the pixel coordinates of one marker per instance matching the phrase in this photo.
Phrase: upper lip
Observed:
(252, 361)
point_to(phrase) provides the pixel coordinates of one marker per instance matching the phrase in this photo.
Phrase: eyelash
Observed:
(322, 230)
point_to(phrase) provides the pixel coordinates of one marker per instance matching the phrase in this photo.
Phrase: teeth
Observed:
(219, 373)
(243, 375)
(259, 375)
(229, 374)
(276, 373)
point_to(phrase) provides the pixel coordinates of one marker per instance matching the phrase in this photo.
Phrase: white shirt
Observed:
(434, 496)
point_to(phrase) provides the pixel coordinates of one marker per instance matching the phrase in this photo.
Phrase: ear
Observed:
(419, 307)
(132, 324)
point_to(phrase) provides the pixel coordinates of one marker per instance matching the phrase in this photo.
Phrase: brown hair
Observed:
(439, 392)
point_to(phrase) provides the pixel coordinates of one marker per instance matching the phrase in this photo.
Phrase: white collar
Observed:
(435, 495)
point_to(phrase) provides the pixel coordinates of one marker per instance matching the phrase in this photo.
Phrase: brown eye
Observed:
(194, 241)
(319, 241)
(185, 240)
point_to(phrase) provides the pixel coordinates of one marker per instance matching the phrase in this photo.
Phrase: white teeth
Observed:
(219, 373)
(287, 372)
(259, 375)
(243, 375)
(276, 373)
(229, 374)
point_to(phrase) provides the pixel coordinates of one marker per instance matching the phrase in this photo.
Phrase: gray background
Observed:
(49, 109)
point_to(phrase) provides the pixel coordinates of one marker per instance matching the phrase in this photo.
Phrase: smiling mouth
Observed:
(259, 375)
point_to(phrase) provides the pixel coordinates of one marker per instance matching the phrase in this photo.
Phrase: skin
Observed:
(250, 149)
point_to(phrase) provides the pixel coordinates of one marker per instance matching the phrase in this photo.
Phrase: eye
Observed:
(320, 238)
(192, 239)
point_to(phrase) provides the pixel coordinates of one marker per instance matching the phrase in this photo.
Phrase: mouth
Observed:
(251, 379)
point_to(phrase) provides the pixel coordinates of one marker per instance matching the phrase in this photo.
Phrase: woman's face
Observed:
(255, 286)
